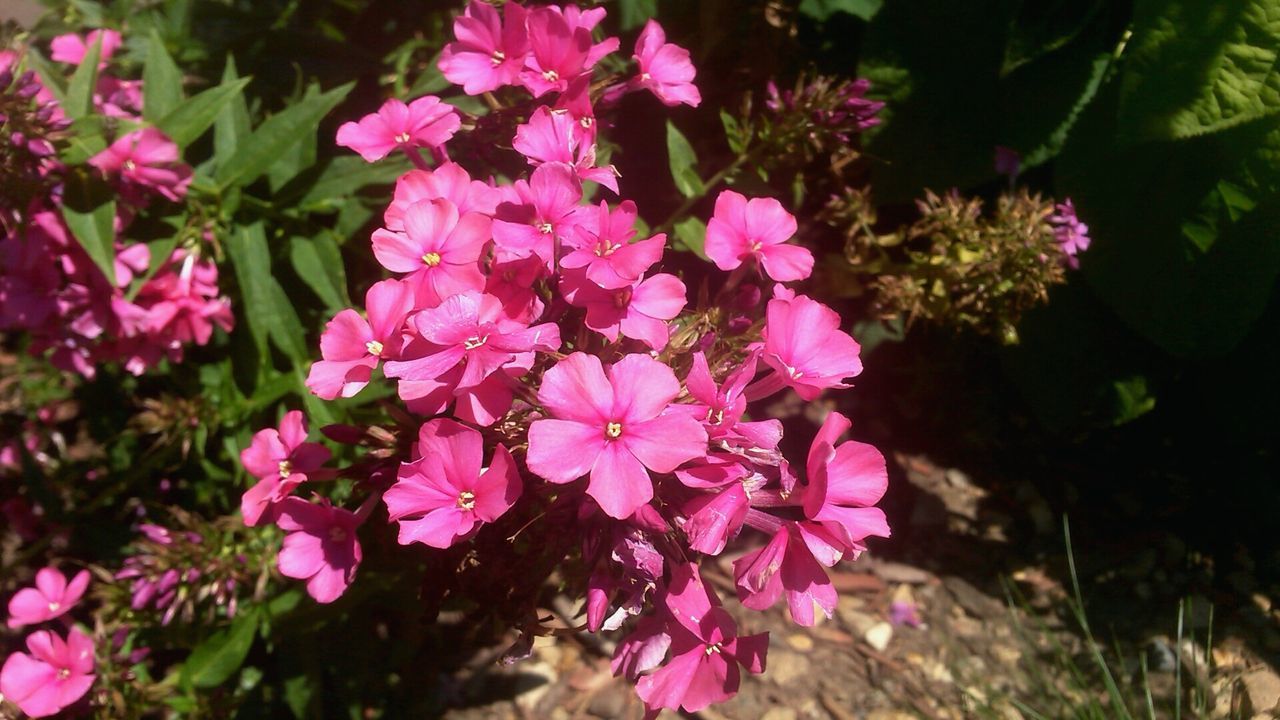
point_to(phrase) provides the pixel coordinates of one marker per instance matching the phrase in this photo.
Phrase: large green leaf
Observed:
(684, 163)
(820, 10)
(189, 120)
(319, 263)
(268, 311)
(79, 99)
(634, 13)
(276, 136)
(216, 659)
(1196, 67)
(343, 176)
(162, 80)
(231, 126)
(89, 209)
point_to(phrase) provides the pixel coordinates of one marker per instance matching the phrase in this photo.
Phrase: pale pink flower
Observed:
(665, 69)
(449, 181)
(145, 160)
(805, 347)
(543, 209)
(789, 565)
(321, 547)
(489, 51)
(705, 649)
(445, 494)
(756, 229)
(641, 312)
(845, 483)
(601, 243)
(423, 123)
(353, 346)
(612, 427)
(52, 597)
(470, 329)
(551, 136)
(71, 48)
(52, 677)
(281, 460)
(439, 248)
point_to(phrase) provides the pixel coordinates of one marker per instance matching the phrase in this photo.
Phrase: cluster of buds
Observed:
(836, 108)
(565, 408)
(956, 265)
(145, 309)
(30, 122)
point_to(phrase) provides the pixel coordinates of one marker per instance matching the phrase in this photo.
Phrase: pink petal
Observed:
(30, 684)
(619, 483)
(438, 528)
(499, 487)
(562, 451)
(576, 389)
(786, 263)
(642, 389)
(767, 222)
(666, 442)
(458, 448)
(28, 607)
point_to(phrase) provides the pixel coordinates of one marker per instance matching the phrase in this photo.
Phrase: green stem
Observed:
(708, 185)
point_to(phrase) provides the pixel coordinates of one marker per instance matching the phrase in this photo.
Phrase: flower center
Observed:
(63, 673)
(286, 469)
(613, 430)
(756, 245)
(475, 341)
(130, 165)
(54, 605)
(645, 77)
(586, 122)
(374, 347)
(713, 648)
(622, 298)
(545, 228)
(431, 259)
(497, 58)
(467, 500)
(714, 416)
(604, 248)
(337, 534)
(402, 138)
(550, 76)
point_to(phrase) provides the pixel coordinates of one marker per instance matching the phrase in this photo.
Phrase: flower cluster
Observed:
(146, 308)
(57, 670)
(557, 381)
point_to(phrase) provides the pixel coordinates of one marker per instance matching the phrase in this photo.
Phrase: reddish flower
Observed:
(488, 53)
(321, 547)
(444, 495)
(665, 69)
(52, 677)
(759, 228)
(52, 597)
(439, 248)
(145, 160)
(352, 346)
(423, 123)
(281, 460)
(613, 427)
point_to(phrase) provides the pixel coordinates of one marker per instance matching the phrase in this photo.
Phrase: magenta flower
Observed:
(543, 209)
(705, 649)
(488, 53)
(551, 136)
(439, 248)
(470, 329)
(720, 408)
(559, 54)
(805, 347)
(52, 597)
(613, 427)
(845, 482)
(759, 228)
(602, 244)
(52, 677)
(352, 346)
(423, 123)
(513, 282)
(715, 518)
(321, 547)
(449, 181)
(145, 160)
(445, 495)
(1071, 234)
(71, 48)
(788, 565)
(281, 460)
(665, 69)
(641, 312)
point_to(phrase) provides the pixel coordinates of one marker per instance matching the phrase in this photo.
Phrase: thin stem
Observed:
(415, 157)
(708, 185)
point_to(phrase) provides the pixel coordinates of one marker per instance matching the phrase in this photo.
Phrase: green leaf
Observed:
(160, 251)
(85, 140)
(231, 125)
(684, 163)
(79, 100)
(277, 136)
(216, 659)
(1195, 67)
(189, 120)
(89, 209)
(733, 132)
(691, 235)
(319, 263)
(820, 10)
(268, 311)
(343, 176)
(162, 79)
(49, 75)
(1133, 399)
(634, 13)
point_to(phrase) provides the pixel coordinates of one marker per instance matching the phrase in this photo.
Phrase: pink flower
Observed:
(665, 69)
(513, 283)
(71, 48)
(145, 160)
(1071, 234)
(55, 675)
(806, 349)
(281, 460)
(445, 494)
(321, 547)
(449, 181)
(551, 136)
(641, 312)
(423, 123)
(759, 228)
(487, 54)
(788, 565)
(439, 248)
(352, 346)
(602, 244)
(715, 518)
(720, 409)
(612, 427)
(845, 482)
(705, 649)
(50, 598)
(470, 329)
(183, 307)
(559, 52)
(544, 208)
